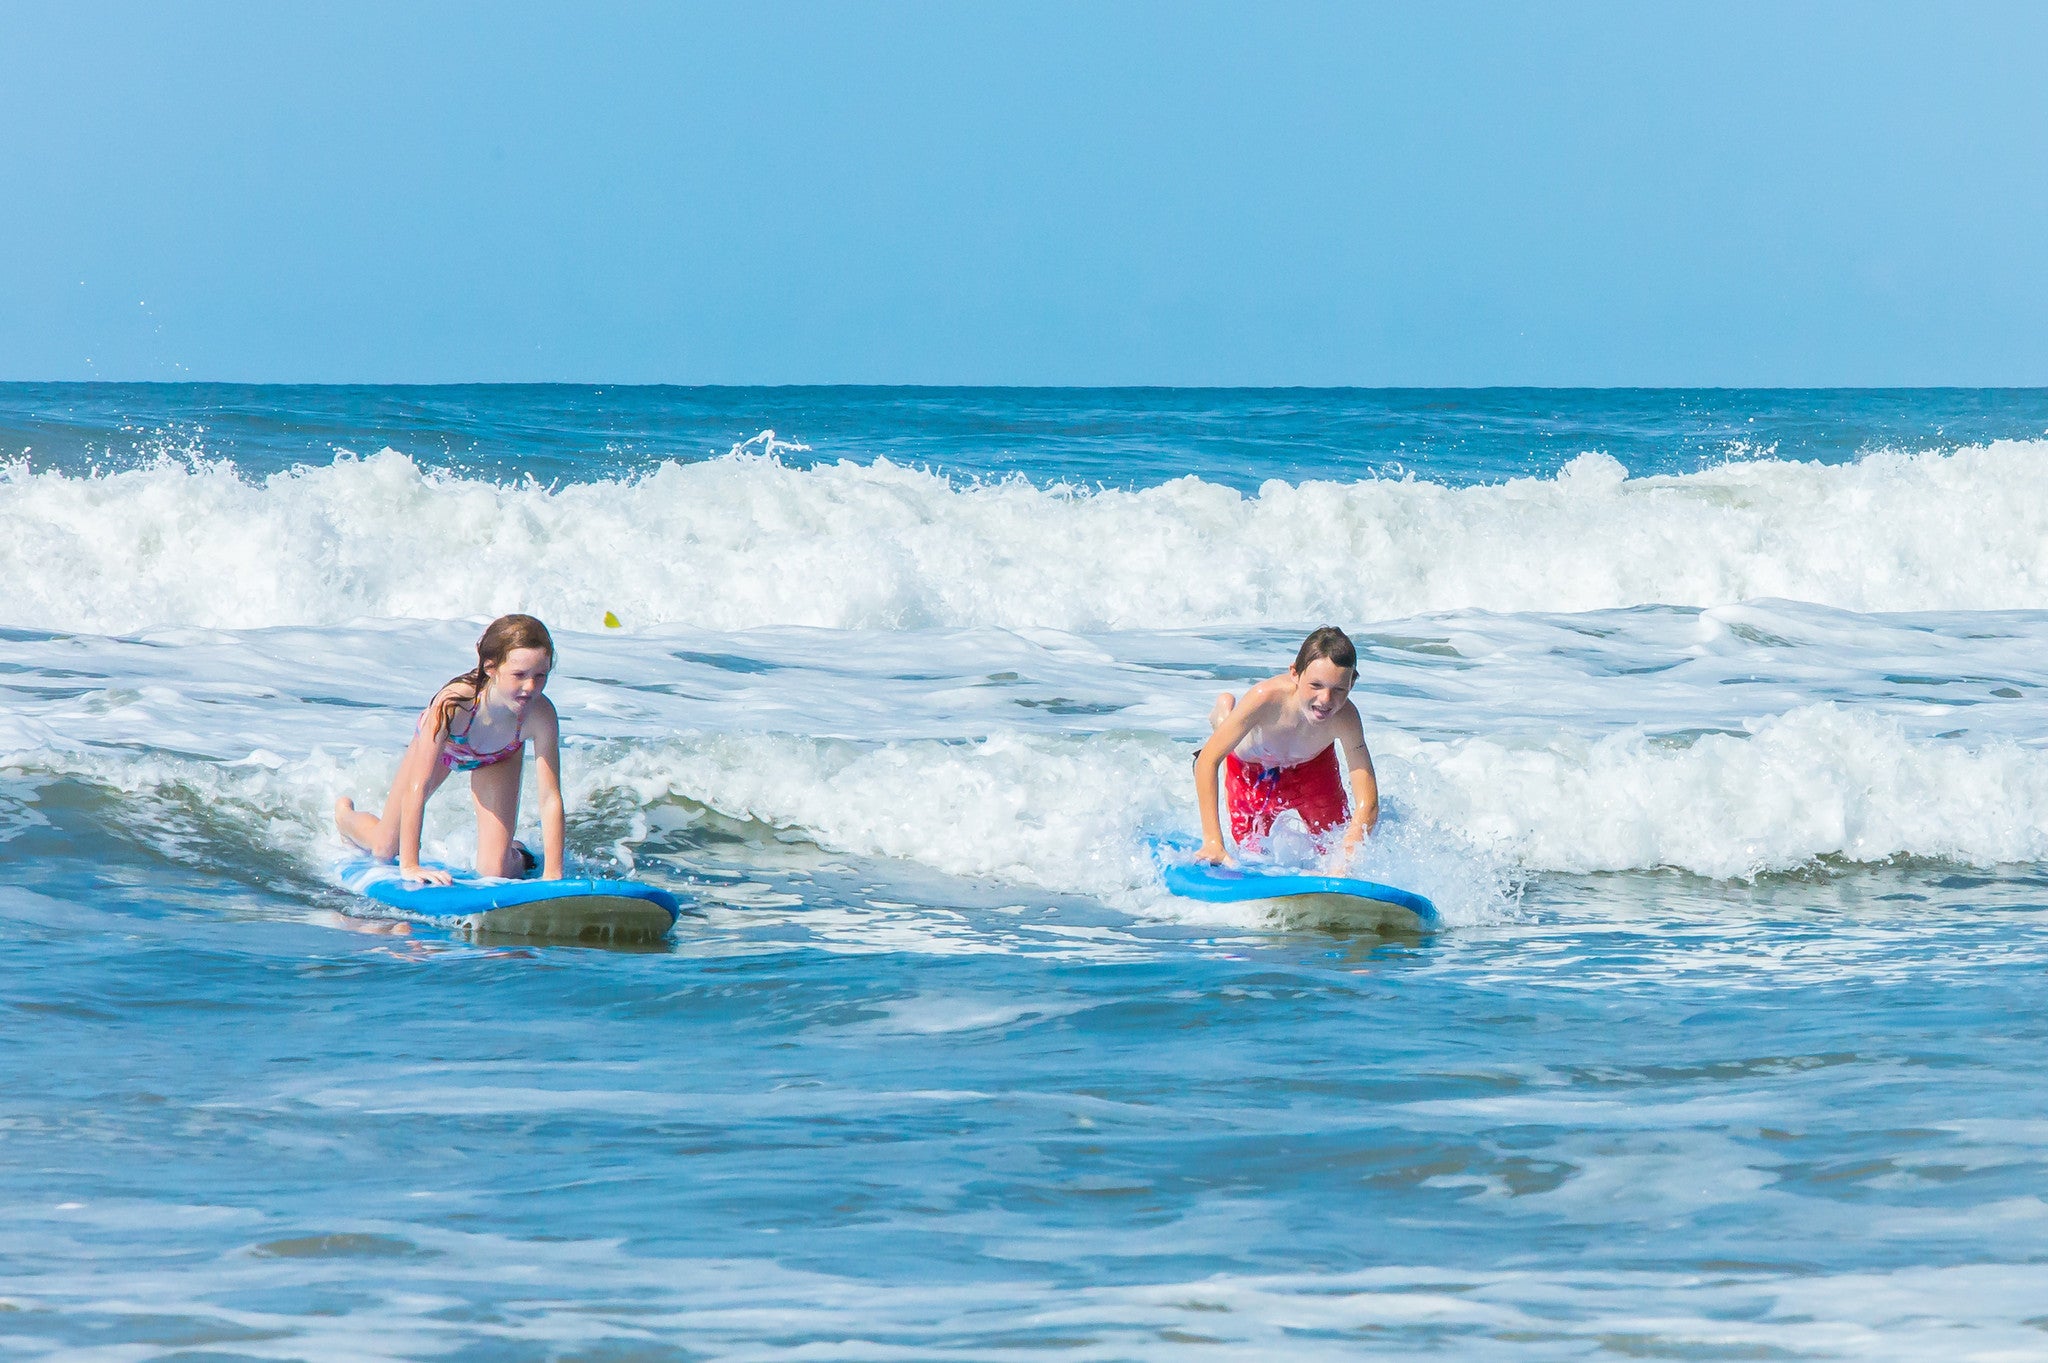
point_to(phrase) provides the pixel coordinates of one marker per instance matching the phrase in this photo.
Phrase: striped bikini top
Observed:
(459, 756)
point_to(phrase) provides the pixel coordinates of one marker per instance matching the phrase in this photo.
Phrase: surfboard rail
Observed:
(1248, 880)
(584, 908)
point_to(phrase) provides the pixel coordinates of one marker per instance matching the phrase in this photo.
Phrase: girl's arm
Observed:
(415, 772)
(547, 751)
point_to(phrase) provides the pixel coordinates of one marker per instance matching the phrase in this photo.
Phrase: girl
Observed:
(477, 723)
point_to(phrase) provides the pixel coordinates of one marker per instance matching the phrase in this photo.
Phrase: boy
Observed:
(1278, 751)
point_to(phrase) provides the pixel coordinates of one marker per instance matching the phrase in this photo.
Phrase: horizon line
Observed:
(602, 385)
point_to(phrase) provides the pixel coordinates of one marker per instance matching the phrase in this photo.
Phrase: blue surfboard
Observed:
(1361, 901)
(579, 910)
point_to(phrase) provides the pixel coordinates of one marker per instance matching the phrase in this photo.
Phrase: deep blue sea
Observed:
(1713, 721)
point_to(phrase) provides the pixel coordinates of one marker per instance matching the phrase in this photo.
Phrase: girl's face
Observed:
(1321, 688)
(520, 676)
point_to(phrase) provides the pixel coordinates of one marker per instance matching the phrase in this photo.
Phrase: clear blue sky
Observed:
(1173, 193)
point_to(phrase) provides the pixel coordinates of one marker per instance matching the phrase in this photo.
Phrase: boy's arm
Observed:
(1239, 722)
(1365, 785)
(547, 751)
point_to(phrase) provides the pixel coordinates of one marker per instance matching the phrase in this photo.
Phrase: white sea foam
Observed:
(1728, 743)
(1068, 814)
(1819, 781)
(745, 540)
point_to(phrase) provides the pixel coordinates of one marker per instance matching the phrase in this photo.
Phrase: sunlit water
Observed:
(1713, 722)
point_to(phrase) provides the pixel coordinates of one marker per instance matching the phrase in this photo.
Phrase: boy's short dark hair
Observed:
(1328, 642)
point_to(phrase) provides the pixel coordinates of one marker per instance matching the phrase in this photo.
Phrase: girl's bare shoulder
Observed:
(456, 695)
(461, 690)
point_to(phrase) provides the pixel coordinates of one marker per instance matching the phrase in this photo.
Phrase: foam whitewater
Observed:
(1753, 739)
(746, 540)
(1068, 815)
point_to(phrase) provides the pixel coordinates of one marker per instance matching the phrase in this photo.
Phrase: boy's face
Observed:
(1321, 687)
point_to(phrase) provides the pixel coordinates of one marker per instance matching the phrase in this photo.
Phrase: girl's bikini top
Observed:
(459, 756)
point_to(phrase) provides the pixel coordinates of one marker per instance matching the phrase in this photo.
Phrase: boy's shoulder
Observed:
(1272, 688)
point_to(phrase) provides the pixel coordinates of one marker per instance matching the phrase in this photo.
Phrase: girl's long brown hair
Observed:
(500, 637)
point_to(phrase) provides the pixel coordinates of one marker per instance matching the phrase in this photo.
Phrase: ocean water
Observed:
(1714, 722)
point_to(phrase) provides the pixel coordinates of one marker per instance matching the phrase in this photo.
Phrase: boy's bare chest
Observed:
(1279, 743)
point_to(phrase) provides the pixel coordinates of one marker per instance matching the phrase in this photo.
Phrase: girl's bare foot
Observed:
(355, 827)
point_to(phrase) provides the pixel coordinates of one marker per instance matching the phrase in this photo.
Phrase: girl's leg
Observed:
(496, 789)
(379, 836)
(359, 828)
(1218, 712)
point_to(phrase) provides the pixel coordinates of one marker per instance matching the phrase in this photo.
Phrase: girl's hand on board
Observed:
(430, 875)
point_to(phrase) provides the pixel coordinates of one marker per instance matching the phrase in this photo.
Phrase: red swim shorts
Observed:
(1255, 795)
